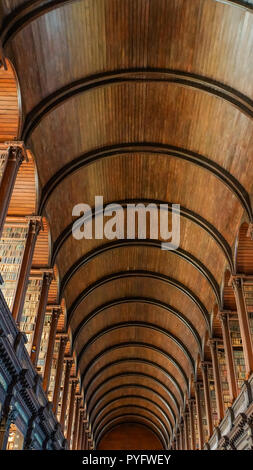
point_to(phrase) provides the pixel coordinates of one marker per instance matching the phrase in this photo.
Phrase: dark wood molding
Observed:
(140, 344)
(147, 325)
(134, 75)
(130, 373)
(184, 212)
(143, 274)
(133, 360)
(95, 412)
(150, 148)
(142, 300)
(151, 426)
(141, 243)
(145, 399)
(32, 9)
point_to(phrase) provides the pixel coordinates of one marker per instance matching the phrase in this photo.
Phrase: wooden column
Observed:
(50, 347)
(243, 318)
(71, 409)
(47, 278)
(181, 436)
(84, 437)
(217, 380)
(231, 375)
(191, 418)
(80, 430)
(65, 393)
(204, 367)
(15, 156)
(59, 369)
(18, 304)
(178, 440)
(186, 431)
(76, 423)
(199, 414)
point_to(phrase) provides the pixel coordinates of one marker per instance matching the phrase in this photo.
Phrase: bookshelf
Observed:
(238, 351)
(53, 371)
(3, 161)
(223, 377)
(212, 396)
(44, 344)
(28, 319)
(12, 246)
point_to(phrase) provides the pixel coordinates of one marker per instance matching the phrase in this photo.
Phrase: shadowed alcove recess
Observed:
(139, 100)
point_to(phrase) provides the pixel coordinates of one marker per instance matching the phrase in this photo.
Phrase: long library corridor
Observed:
(117, 342)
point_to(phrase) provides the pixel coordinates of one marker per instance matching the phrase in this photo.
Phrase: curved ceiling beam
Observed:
(142, 300)
(132, 374)
(150, 148)
(151, 426)
(136, 324)
(184, 212)
(25, 14)
(96, 412)
(132, 385)
(130, 344)
(134, 75)
(141, 243)
(146, 275)
(134, 360)
(149, 402)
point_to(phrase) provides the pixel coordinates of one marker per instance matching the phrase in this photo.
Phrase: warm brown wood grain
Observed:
(86, 41)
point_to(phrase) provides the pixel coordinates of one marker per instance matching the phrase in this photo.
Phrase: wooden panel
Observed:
(9, 104)
(125, 437)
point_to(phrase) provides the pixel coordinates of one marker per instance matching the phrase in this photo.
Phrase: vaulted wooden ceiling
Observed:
(146, 101)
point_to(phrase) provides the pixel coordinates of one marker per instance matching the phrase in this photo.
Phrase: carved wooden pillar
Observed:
(204, 367)
(15, 157)
(243, 318)
(50, 347)
(231, 375)
(186, 431)
(18, 304)
(76, 423)
(65, 393)
(191, 418)
(199, 414)
(80, 429)
(217, 380)
(84, 437)
(47, 278)
(71, 409)
(59, 369)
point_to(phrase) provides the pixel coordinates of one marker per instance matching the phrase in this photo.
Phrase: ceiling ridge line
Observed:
(166, 150)
(145, 300)
(186, 213)
(25, 14)
(138, 273)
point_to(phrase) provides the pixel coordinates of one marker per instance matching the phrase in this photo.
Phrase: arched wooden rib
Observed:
(150, 148)
(135, 75)
(132, 374)
(139, 344)
(134, 360)
(142, 300)
(158, 432)
(145, 399)
(141, 243)
(96, 412)
(135, 274)
(184, 212)
(32, 9)
(139, 324)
